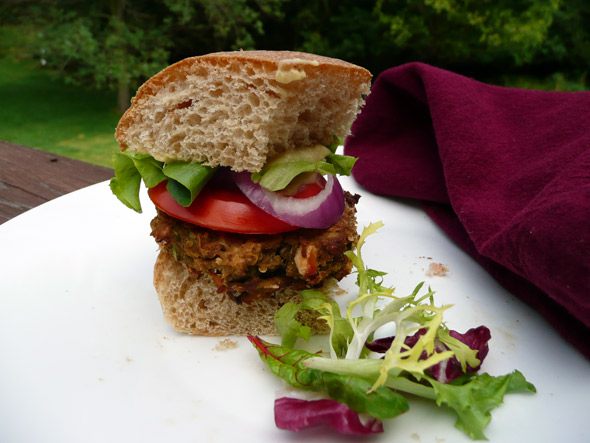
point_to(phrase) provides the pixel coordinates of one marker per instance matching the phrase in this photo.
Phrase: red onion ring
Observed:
(319, 211)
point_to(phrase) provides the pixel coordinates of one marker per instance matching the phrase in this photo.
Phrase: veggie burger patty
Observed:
(252, 267)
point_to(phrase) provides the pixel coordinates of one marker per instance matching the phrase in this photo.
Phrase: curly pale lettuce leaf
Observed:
(185, 180)
(472, 348)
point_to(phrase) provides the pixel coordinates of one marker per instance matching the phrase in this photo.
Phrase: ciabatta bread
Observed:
(237, 109)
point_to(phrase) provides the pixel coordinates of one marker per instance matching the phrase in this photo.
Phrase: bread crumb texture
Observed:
(239, 108)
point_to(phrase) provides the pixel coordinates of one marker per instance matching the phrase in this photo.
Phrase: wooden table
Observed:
(30, 177)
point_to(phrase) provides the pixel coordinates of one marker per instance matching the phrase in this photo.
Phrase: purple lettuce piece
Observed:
(294, 414)
(447, 370)
(477, 339)
(381, 345)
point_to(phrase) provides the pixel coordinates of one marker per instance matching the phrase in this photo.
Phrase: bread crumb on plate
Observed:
(436, 270)
(225, 345)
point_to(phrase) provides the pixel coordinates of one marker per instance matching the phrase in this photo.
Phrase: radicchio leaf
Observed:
(294, 414)
(450, 369)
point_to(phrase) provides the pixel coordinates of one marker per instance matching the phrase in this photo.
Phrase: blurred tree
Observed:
(346, 29)
(568, 43)
(105, 44)
(218, 25)
(463, 30)
(119, 43)
(464, 34)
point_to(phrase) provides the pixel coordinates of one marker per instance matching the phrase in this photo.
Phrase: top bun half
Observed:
(238, 109)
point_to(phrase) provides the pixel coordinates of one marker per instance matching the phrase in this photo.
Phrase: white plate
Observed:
(86, 356)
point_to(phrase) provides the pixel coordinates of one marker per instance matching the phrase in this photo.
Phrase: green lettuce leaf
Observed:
(185, 180)
(149, 168)
(474, 400)
(289, 327)
(126, 182)
(279, 175)
(287, 364)
(281, 171)
(335, 144)
(286, 322)
(342, 163)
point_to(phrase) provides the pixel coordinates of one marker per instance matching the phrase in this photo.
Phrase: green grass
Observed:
(39, 111)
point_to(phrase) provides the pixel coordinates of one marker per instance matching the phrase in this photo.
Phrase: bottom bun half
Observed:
(192, 304)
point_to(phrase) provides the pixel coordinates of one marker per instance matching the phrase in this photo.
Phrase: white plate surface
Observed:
(85, 354)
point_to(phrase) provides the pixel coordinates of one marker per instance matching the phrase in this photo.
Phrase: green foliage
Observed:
(117, 44)
(568, 43)
(487, 39)
(233, 24)
(98, 43)
(462, 31)
(91, 50)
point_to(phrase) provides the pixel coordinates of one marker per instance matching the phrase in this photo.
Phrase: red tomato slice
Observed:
(220, 206)
(305, 186)
(309, 190)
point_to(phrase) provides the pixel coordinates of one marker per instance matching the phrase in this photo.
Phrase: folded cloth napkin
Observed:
(504, 172)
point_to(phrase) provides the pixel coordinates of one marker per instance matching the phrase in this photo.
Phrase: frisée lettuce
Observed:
(411, 362)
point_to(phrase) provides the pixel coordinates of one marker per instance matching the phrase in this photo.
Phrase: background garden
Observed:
(68, 68)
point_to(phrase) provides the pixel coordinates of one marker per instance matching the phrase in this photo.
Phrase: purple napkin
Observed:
(504, 172)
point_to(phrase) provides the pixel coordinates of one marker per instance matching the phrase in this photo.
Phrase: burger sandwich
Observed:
(238, 152)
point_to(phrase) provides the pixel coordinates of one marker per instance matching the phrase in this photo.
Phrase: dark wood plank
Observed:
(30, 177)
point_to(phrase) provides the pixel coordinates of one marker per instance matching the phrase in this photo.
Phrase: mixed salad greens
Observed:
(362, 380)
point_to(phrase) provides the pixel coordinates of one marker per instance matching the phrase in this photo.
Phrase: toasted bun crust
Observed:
(192, 304)
(239, 108)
